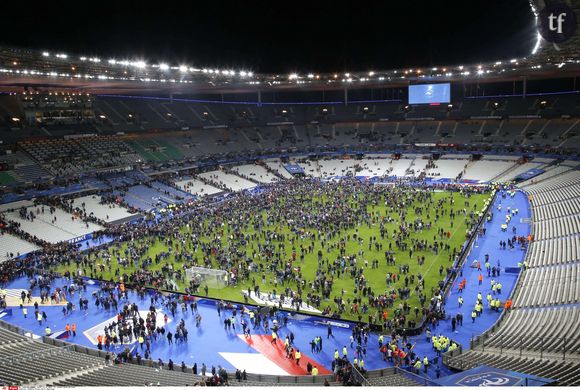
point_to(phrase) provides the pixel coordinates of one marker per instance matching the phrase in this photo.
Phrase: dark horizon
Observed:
(305, 37)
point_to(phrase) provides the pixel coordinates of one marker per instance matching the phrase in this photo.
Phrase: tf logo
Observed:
(556, 22)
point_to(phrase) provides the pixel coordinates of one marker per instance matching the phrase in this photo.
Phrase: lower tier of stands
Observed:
(12, 246)
(567, 373)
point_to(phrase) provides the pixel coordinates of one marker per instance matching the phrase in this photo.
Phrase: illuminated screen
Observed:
(429, 93)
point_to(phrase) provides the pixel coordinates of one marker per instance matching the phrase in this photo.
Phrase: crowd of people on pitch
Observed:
(194, 235)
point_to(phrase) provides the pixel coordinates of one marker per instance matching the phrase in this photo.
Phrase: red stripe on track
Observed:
(277, 354)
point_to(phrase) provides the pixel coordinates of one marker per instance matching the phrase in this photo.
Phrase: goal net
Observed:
(213, 278)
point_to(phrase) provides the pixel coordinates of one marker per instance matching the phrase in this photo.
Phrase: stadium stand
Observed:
(51, 227)
(13, 246)
(93, 205)
(230, 181)
(196, 187)
(27, 361)
(486, 170)
(255, 172)
(278, 167)
(53, 362)
(540, 335)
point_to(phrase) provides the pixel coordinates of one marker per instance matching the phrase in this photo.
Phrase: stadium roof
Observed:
(38, 69)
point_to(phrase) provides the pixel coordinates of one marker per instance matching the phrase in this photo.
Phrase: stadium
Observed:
(171, 224)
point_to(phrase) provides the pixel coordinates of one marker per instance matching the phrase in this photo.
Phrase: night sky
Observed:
(275, 36)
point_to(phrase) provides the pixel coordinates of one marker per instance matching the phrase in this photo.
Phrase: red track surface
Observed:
(276, 353)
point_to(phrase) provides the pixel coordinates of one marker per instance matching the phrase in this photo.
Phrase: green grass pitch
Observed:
(375, 277)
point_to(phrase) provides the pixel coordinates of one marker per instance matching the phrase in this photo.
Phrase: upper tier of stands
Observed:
(204, 129)
(65, 157)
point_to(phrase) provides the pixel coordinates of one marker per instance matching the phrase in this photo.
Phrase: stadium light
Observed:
(293, 76)
(15, 119)
(163, 66)
(102, 116)
(183, 68)
(45, 54)
(371, 73)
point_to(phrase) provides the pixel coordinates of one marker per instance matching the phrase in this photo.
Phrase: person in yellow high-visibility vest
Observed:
(48, 331)
(336, 356)
(361, 364)
(417, 366)
(297, 356)
(274, 338)
(314, 371)
(425, 363)
(344, 351)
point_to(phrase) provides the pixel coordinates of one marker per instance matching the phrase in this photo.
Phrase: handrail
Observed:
(417, 378)
(364, 381)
